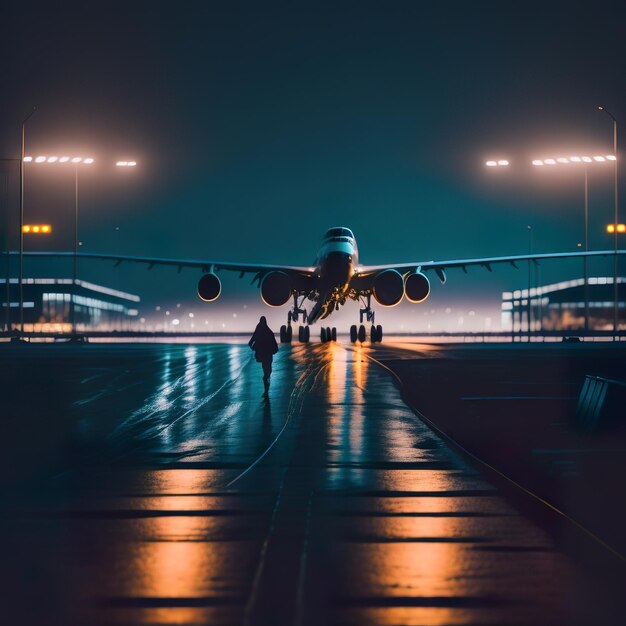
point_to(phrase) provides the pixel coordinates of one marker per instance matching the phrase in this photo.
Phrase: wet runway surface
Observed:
(153, 485)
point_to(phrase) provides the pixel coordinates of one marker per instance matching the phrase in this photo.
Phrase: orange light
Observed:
(610, 228)
(37, 228)
(621, 228)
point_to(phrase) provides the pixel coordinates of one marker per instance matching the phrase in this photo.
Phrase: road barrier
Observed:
(602, 402)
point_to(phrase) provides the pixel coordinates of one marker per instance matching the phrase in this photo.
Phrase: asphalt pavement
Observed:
(152, 484)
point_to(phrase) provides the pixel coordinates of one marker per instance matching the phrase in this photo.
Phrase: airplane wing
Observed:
(259, 269)
(439, 267)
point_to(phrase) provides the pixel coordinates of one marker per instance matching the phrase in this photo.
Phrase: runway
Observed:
(151, 484)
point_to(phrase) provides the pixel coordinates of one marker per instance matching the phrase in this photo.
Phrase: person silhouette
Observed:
(265, 347)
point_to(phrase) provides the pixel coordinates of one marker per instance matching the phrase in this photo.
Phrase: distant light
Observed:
(35, 229)
(25, 229)
(575, 159)
(45, 228)
(88, 161)
(132, 163)
(587, 159)
(503, 162)
(491, 163)
(28, 159)
(64, 159)
(600, 108)
(611, 157)
(610, 228)
(53, 159)
(40, 159)
(122, 164)
(537, 162)
(175, 322)
(77, 159)
(621, 228)
(191, 315)
(599, 159)
(550, 162)
(562, 160)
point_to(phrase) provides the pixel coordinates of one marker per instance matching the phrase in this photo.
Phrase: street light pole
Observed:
(528, 306)
(75, 270)
(585, 271)
(21, 280)
(615, 221)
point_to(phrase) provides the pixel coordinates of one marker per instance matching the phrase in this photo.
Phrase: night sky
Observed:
(257, 126)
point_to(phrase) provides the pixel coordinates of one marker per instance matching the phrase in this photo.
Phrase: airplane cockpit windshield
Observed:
(339, 234)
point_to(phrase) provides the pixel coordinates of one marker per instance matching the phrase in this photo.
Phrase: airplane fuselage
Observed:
(334, 268)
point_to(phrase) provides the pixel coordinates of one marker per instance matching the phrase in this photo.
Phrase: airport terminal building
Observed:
(561, 306)
(48, 303)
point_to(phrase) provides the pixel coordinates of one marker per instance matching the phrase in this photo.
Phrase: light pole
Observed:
(615, 221)
(585, 270)
(21, 279)
(77, 162)
(585, 161)
(528, 306)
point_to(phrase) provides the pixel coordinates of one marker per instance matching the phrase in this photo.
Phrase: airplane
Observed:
(335, 277)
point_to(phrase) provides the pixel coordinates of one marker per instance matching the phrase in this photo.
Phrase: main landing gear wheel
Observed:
(362, 333)
(286, 334)
(304, 334)
(328, 334)
(353, 333)
(376, 333)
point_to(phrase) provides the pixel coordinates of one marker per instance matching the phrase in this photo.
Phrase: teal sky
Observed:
(259, 125)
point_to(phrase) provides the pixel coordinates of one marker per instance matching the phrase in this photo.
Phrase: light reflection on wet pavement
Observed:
(184, 498)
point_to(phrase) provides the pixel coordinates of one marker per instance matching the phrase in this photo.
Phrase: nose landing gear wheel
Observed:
(362, 333)
(353, 334)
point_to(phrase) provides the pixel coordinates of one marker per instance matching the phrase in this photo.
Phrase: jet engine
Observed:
(209, 287)
(276, 288)
(416, 287)
(388, 287)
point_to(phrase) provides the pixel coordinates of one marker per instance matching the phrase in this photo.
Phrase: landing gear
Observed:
(362, 334)
(376, 333)
(286, 334)
(328, 334)
(359, 333)
(286, 331)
